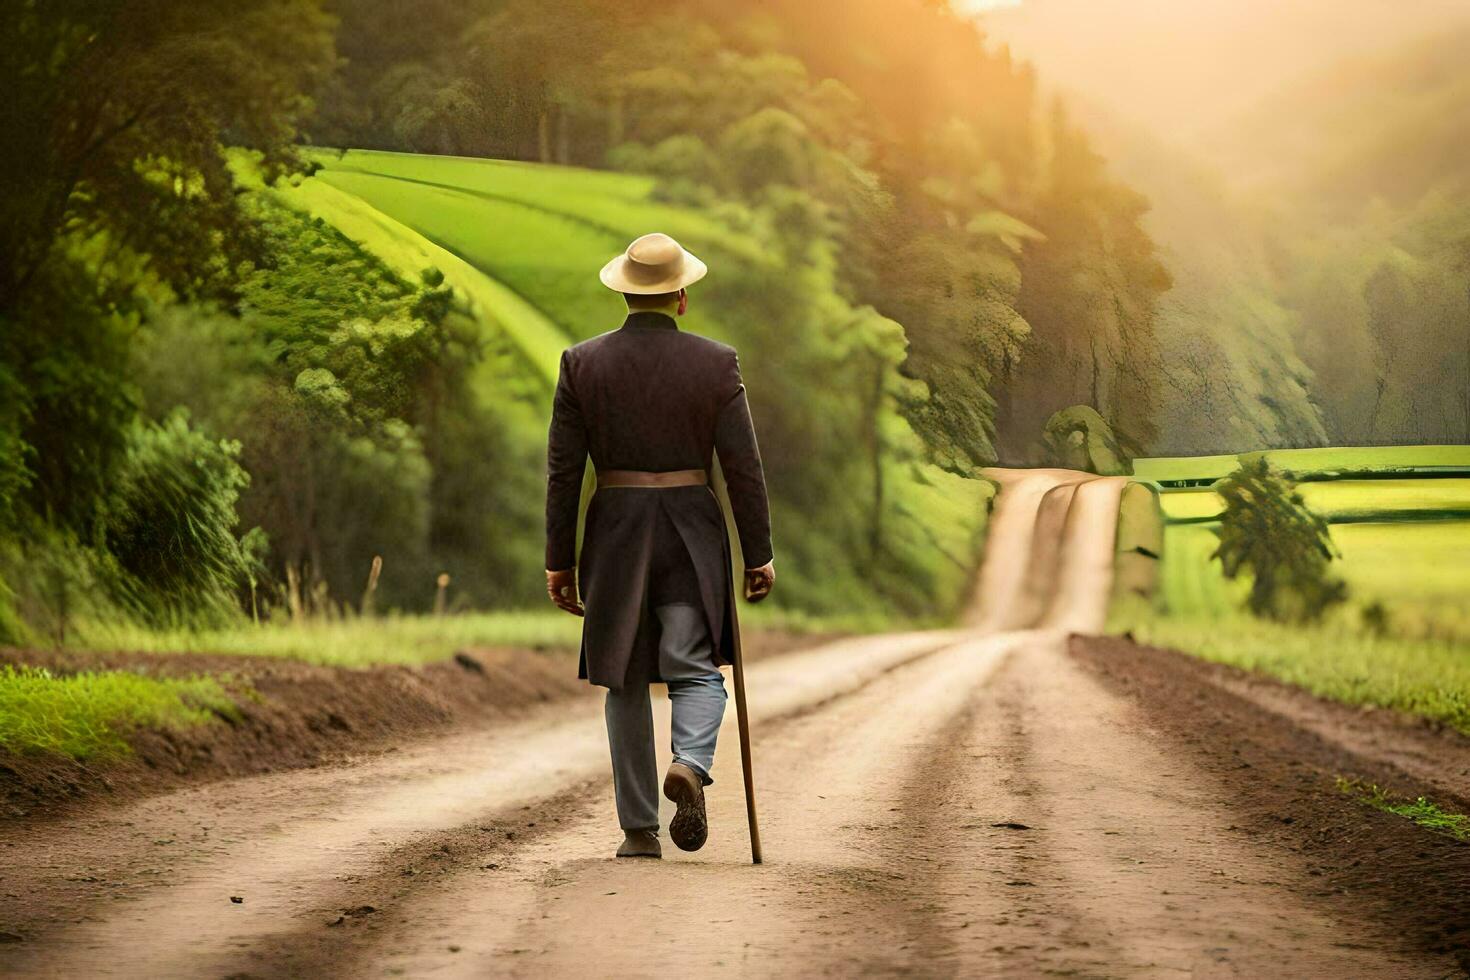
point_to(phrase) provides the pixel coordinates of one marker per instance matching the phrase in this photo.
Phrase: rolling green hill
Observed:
(520, 242)
(521, 245)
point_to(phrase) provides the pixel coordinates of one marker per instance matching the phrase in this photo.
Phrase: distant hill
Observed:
(1230, 375)
(1184, 68)
(1391, 126)
(1308, 168)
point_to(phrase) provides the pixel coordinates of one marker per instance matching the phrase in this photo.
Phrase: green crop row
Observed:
(1322, 463)
(1347, 501)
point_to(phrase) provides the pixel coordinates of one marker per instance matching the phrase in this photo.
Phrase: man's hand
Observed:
(562, 587)
(758, 581)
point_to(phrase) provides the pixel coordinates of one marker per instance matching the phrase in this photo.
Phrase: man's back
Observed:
(649, 397)
(650, 394)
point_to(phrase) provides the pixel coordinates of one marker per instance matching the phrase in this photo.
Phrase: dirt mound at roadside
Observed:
(291, 715)
(296, 715)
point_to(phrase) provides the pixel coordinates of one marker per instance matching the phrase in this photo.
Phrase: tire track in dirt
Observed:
(1056, 833)
(1085, 553)
(834, 786)
(1002, 599)
(999, 906)
(286, 842)
(1151, 857)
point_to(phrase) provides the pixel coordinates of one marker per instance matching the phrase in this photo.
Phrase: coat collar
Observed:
(651, 318)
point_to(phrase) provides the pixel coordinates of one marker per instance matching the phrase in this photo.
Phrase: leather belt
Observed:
(640, 478)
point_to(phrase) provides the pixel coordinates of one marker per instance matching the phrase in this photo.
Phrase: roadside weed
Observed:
(1420, 810)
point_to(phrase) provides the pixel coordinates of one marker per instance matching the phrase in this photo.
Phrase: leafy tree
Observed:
(360, 371)
(115, 116)
(387, 91)
(116, 185)
(1268, 531)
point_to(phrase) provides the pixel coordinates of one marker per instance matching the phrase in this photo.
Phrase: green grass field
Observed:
(1415, 570)
(1429, 678)
(1400, 520)
(410, 640)
(1347, 501)
(348, 642)
(1167, 469)
(1401, 543)
(619, 204)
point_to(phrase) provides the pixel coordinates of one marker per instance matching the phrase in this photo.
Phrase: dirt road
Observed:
(997, 800)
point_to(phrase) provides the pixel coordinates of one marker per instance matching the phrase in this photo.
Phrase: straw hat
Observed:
(653, 264)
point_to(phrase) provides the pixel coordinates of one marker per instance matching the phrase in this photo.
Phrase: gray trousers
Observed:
(697, 697)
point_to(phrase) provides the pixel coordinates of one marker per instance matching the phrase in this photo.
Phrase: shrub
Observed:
(171, 525)
(65, 404)
(1268, 531)
(1078, 438)
(51, 579)
(1376, 619)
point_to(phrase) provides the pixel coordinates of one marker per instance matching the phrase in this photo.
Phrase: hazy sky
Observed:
(1183, 67)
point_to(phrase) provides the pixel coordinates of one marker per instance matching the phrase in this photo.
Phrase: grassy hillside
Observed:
(521, 245)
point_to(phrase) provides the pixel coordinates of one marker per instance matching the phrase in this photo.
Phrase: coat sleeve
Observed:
(745, 479)
(566, 459)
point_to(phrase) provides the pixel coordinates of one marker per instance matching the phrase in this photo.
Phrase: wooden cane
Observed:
(742, 717)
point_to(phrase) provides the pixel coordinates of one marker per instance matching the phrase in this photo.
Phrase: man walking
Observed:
(651, 404)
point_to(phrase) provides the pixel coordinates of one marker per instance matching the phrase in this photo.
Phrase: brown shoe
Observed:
(640, 844)
(690, 827)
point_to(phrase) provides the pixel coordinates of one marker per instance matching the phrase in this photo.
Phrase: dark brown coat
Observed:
(649, 396)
